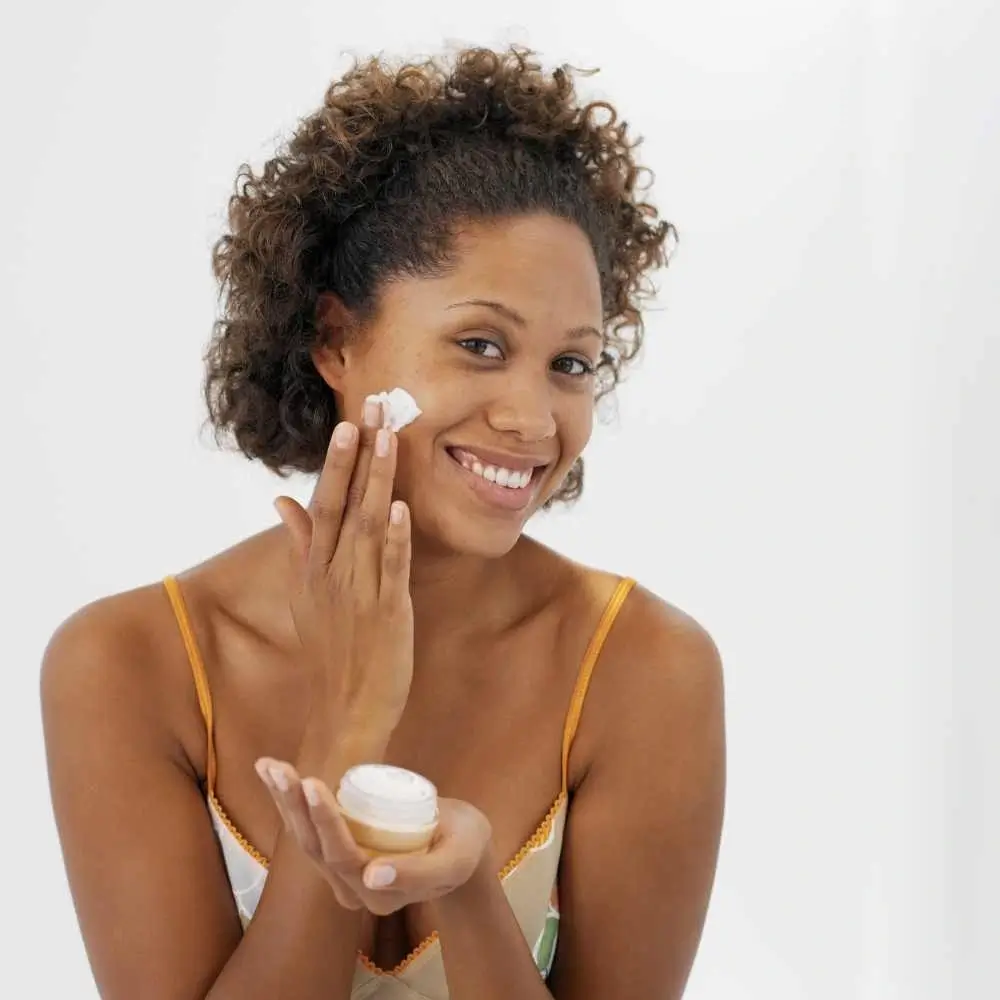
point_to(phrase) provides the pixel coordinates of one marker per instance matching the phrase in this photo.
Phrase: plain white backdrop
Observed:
(806, 459)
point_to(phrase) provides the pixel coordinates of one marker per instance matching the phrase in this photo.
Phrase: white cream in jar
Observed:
(389, 810)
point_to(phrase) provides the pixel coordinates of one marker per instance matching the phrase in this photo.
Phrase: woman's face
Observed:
(499, 354)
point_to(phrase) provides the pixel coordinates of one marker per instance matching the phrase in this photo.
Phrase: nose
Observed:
(524, 409)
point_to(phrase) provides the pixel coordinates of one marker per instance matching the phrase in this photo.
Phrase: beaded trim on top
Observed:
(237, 836)
(536, 840)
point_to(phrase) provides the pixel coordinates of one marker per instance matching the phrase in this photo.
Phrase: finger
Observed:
(263, 768)
(296, 519)
(371, 422)
(342, 858)
(285, 787)
(370, 522)
(338, 849)
(298, 822)
(395, 582)
(329, 499)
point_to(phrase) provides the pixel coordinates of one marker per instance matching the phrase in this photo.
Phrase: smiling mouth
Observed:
(510, 489)
(513, 479)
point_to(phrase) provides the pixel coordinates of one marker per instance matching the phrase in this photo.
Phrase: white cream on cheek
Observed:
(399, 408)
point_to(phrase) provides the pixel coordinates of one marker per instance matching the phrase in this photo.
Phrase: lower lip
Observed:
(498, 496)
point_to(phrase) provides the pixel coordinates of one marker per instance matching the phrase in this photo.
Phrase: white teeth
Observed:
(509, 478)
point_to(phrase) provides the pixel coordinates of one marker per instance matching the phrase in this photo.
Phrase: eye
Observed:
(481, 346)
(564, 366)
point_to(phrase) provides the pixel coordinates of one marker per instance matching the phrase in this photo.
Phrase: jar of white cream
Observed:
(388, 809)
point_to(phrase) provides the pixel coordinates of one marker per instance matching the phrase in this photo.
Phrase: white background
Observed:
(806, 461)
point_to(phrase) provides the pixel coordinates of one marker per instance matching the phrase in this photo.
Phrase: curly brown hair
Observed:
(373, 185)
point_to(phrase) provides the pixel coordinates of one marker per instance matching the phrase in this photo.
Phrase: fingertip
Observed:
(344, 434)
(310, 789)
(379, 874)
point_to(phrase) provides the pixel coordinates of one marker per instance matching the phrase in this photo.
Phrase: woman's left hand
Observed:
(387, 883)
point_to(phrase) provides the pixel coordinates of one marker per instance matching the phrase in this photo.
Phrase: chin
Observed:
(454, 532)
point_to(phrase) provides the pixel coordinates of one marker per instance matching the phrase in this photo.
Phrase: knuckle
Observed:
(355, 494)
(367, 524)
(394, 563)
(340, 582)
(319, 578)
(323, 510)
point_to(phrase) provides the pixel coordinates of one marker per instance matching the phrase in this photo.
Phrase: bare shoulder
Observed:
(119, 654)
(668, 666)
(661, 648)
(655, 655)
(659, 670)
(100, 644)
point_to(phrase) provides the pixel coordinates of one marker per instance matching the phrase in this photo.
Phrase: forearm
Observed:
(301, 942)
(485, 954)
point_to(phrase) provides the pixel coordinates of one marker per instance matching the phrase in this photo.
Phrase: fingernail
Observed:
(343, 436)
(279, 778)
(382, 443)
(310, 791)
(396, 513)
(380, 876)
(371, 414)
(263, 772)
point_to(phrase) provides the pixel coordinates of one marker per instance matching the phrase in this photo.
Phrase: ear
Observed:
(336, 326)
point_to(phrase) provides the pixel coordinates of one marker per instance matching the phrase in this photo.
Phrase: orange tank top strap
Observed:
(198, 672)
(590, 659)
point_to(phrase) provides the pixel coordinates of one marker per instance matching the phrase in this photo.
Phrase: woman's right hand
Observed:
(351, 588)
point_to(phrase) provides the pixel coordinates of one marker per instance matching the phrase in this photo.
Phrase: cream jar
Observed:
(388, 809)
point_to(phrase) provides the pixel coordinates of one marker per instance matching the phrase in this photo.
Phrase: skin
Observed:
(501, 625)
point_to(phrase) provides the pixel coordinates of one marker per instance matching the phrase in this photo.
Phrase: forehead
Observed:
(540, 266)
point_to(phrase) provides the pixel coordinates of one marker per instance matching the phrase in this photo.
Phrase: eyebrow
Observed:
(514, 316)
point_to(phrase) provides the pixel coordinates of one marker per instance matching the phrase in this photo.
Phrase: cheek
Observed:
(578, 424)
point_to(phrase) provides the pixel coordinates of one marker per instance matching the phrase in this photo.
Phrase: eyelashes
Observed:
(588, 368)
(480, 345)
(480, 342)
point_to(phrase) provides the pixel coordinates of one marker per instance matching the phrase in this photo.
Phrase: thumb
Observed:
(448, 864)
(296, 519)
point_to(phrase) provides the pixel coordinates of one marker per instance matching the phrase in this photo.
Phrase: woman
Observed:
(468, 232)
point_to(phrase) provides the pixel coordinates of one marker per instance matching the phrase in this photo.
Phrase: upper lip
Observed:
(502, 459)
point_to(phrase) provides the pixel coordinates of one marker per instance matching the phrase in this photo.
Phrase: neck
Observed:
(454, 594)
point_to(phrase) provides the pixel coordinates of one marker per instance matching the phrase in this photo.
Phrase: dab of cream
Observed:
(399, 408)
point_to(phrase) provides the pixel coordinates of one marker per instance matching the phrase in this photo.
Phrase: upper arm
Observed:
(144, 869)
(644, 830)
